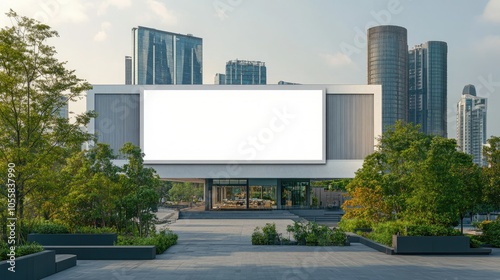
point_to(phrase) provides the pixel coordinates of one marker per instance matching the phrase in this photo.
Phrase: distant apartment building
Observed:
(471, 124)
(243, 72)
(128, 70)
(220, 79)
(388, 66)
(427, 93)
(166, 58)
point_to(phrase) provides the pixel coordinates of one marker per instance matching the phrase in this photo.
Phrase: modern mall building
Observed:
(254, 147)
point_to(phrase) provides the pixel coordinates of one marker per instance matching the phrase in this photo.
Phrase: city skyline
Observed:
(317, 42)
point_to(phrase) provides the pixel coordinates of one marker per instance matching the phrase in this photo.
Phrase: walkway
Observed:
(221, 249)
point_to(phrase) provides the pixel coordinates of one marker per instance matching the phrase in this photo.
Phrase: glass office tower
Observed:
(471, 124)
(427, 94)
(242, 72)
(166, 58)
(388, 66)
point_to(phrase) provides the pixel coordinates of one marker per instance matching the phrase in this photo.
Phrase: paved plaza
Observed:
(221, 249)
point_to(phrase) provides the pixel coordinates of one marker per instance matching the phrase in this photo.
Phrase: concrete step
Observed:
(272, 214)
(65, 261)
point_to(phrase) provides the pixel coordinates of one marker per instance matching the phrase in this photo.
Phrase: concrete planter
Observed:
(434, 245)
(69, 239)
(107, 252)
(33, 266)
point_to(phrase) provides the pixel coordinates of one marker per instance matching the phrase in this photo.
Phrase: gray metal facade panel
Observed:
(349, 126)
(118, 120)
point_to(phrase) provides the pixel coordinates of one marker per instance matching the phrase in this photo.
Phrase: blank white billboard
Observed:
(233, 126)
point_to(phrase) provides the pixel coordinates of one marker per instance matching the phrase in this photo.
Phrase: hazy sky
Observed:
(303, 41)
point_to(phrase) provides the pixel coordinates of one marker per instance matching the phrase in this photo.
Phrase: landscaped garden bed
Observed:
(310, 234)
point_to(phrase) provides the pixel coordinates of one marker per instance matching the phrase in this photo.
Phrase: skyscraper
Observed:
(161, 57)
(471, 124)
(388, 66)
(427, 94)
(128, 70)
(242, 72)
(220, 79)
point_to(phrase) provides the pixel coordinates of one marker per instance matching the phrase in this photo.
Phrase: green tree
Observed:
(447, 184)
(185, 191)
(93, 188)
(139, 198)
(492, 172)
(416, 178)
(391, 166)
(34, 86)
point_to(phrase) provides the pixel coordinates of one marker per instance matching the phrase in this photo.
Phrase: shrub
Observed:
(4, 250)
(491, 232)
(313, 234)
(50, 228)
(475, 241)
(431, 230)
(21, 250)
(29, 248)
(354, 225)
(162, 240)
(383, 232)
(299, 232)
(339, 238)
(268, 236)
(94, 230)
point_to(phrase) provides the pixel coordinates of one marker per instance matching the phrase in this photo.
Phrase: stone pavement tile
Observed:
(221, 249)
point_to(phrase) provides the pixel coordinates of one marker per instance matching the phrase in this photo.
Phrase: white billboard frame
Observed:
(318, 158)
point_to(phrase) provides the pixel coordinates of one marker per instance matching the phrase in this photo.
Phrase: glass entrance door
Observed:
(294, 193)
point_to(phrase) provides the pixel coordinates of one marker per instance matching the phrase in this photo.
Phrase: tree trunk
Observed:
(462, 223)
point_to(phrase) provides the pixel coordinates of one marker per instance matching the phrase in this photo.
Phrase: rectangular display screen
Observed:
(233, 126)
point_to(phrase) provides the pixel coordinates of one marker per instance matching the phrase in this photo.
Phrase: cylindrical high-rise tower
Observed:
(388, 66)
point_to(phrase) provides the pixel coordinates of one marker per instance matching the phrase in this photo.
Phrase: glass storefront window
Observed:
(262, 197)
(229, 197)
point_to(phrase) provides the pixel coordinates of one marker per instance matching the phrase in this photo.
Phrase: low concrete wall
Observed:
(434, 245)
(354, 238)
(30, 267)
(107, 252)
(73, 239)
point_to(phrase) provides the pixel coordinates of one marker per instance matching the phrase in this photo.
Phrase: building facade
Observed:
(388, 66)
(254, 147)
(220, 79)
(471, 124)
(165, 58)
(243, 72)
(427, 93)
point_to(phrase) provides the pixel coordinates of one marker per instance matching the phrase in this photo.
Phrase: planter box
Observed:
(35, 266)
(69, 239)
(434, 245)
(107, 252)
